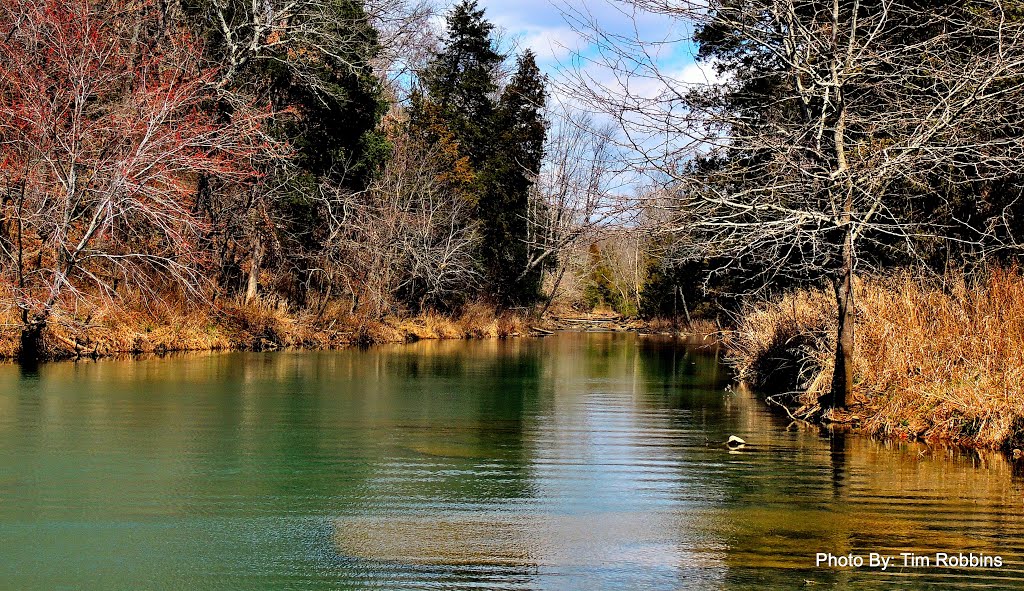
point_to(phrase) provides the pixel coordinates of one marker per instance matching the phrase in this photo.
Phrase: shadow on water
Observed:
(28, 370)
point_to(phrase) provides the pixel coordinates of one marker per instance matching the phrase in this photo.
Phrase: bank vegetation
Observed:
(840, 184)
(940, 359)
(222, 174)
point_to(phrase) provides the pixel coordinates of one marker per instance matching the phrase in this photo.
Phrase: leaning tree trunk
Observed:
(842, 376)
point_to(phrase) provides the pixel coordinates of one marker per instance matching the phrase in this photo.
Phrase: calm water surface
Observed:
(575, 462)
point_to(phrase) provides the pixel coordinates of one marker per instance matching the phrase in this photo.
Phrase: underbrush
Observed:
(939, 360)
(139, 324)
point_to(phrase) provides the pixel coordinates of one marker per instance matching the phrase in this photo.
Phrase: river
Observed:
(579, 461)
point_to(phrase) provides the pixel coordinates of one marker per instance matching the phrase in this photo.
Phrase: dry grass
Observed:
(476, 321)
(935, 360)
(480, 321)
(139, 324)
(10, 322)
(786, 345)
(136, 324)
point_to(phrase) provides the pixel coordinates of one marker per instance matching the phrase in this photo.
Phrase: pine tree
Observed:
(335, 132)
(337, 101)
(507, 179)
(502, 139)
(313, 66)
(462, 80)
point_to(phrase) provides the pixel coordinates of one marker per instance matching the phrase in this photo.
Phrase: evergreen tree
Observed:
(461, 82)
(502, 139)
(520, 130)
(338, 101)
(311, 60)
(314, 67)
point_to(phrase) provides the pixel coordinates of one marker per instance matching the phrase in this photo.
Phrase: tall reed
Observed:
(935, 359)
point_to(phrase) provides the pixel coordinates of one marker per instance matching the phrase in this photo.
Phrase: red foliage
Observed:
(106, 128)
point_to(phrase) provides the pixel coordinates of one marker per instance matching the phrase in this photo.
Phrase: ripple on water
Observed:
(572, 462)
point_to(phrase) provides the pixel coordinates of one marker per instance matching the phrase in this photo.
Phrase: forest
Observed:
(279, 155)
(839, 201)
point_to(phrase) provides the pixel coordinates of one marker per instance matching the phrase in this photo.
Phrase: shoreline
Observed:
(935, 361)
(266, 328)
(258, 327)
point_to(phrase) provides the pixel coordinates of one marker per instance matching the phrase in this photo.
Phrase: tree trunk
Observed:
(554, 291)
(254, 272)
(842, 377)
(32, 348)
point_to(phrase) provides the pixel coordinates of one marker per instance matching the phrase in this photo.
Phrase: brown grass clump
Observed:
(478, 321)
(939, 360)
(512, 324)
(786, 345)
(368, 331)
(442, 327)
(136, 323)
(431, 326)
(947, 360)
(270, 324)
(10, 323)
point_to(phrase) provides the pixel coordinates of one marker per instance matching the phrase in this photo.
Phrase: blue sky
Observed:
(541, 26)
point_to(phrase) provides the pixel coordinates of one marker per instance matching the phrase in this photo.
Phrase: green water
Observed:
(579, 461)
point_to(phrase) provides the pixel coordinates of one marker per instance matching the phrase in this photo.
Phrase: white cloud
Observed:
(700, 74)
(550, 44)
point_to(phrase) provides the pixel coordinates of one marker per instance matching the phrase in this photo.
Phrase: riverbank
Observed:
(138, 326)
(937, 361)
(934, 361)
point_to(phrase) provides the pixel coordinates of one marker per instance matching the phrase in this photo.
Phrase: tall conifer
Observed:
(501, 135)
(520, 131)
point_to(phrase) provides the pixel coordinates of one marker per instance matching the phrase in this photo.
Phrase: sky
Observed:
(563, 50)
(541, 26)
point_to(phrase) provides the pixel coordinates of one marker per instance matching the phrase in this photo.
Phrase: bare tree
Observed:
(407, 240)
(408, 39)
(578, 195)
(298, 55)
(867, 103)
(624, 257)
(103, 137)
(296, 34)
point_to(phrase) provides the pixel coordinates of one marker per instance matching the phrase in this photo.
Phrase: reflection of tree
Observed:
(837, 458)
(689, 377)
(806, 491)
(455, 415)
(574, 451)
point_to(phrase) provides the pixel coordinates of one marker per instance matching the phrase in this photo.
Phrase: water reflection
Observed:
(574, 462)
(837, 458)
